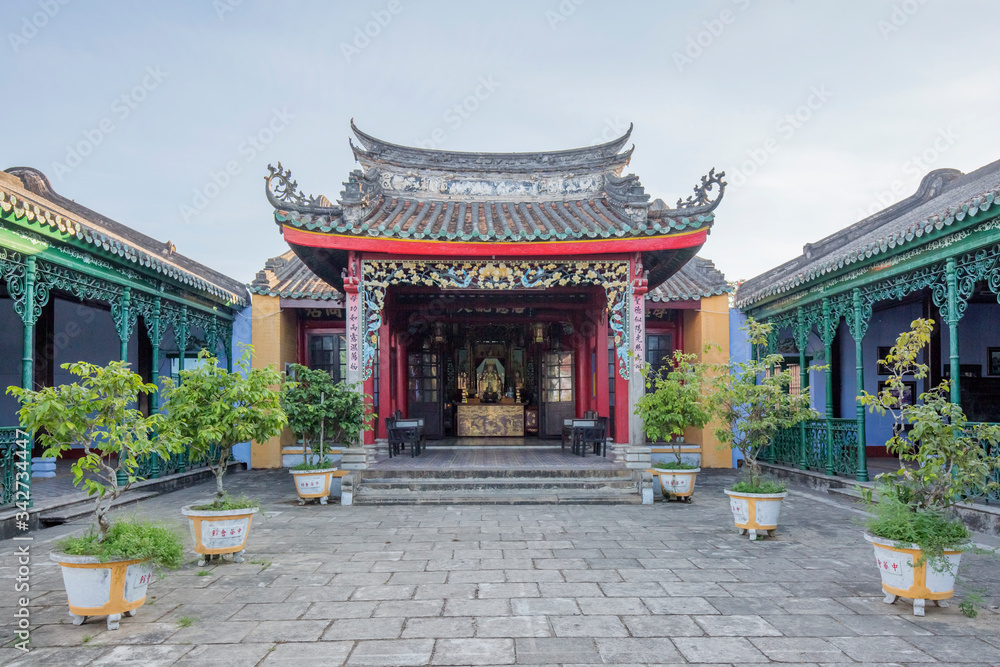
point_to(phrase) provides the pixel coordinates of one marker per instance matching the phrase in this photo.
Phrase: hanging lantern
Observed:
(439, 333)
(539, 332)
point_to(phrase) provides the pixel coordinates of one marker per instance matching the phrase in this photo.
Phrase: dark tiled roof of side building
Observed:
(287, 276)
(945, 197)
(45, 207)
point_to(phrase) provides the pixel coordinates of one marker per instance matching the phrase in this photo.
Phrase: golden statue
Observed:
(490, 385)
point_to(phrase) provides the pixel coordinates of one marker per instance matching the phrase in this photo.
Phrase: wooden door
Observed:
(557, 392)
(425, 391)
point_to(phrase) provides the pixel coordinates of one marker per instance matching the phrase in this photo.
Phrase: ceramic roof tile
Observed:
(945, 197)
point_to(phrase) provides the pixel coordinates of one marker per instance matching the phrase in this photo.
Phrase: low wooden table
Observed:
(493, 420)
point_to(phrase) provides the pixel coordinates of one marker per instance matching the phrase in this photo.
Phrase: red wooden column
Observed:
(622, 416)
(402, 386)
(603, 396)
(384, 376)
(581, 382)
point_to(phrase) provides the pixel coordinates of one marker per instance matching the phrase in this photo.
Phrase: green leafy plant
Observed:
(99, 413)
(186, 621)
(320, 411)
(674, 400)
(204, 573)
(129, 539)
(949, 457)
(753, 402)
(214, 409)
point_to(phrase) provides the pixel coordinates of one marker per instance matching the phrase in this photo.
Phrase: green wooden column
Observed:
(952, 318)
(28, 318)
(828, 331)
(858, 333)
(801, 331)
(155, 329)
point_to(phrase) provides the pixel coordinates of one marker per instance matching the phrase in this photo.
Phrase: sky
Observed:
(165, 115)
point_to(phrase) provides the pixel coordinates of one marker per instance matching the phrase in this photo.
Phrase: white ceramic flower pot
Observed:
(755, 513)
(901, 578)
(313, 484)
(219, 532)
(94, 588)
(676, 483)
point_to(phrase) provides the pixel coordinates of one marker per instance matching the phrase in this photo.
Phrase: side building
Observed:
(493, 295)
(843, 301)
(78, 286)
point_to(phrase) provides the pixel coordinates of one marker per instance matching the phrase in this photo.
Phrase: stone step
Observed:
(498, 482)
(376, 474)
(497, 497)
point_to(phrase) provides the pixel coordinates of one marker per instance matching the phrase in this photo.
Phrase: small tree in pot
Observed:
(674, 400)
(753, 401)
(320, 410)
(98, 413)
(914, 524)
(213, 409)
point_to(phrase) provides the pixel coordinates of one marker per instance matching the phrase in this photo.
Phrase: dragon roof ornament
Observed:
(284, 194)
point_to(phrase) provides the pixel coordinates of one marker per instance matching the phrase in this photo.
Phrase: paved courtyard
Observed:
(527, 585)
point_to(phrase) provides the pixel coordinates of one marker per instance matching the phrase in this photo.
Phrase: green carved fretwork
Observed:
(124, 316)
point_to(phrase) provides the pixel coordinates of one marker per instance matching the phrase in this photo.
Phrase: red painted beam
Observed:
(423, 247)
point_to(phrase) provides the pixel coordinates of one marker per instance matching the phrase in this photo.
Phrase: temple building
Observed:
(492, 295)
(845, 299)
(78, 286)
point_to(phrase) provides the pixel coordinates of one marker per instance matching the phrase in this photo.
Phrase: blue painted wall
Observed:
(11, 334)
(241, 334)
(739, 349)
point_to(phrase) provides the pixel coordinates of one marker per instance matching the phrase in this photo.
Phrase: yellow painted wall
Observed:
(275, 343)
(709, 324)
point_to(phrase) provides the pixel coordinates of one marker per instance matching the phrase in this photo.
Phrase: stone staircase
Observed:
(604, 486)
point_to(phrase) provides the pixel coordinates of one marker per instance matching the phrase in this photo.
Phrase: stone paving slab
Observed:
(669, 584)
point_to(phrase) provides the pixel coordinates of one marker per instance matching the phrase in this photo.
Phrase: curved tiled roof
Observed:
(945, 197)
(603, 157)
(39, 204)
(288, 277)
(695, 280)
(412, 193)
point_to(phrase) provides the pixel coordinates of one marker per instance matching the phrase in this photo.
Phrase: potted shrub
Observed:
(316, 408)
(753, 402)
(213, 409)
(917, 537)
(673, 401)
(106, 571)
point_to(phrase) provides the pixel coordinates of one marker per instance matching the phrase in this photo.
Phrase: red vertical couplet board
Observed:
(354, 333)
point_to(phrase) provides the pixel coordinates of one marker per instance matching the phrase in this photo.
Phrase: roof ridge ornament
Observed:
(285, 193)
(700, 197)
